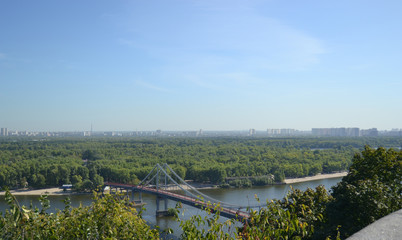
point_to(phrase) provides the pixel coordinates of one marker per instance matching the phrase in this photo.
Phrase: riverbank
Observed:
(316, 177)
(38, 192)
(59, 191)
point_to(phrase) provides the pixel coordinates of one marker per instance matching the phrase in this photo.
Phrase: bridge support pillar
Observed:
(159, 212)
(139, 201)
(157, 204)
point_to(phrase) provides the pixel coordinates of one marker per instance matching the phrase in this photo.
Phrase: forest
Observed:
(87, 162)
(372, 189)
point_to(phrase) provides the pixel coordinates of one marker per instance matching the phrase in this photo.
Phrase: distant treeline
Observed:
(87, 162)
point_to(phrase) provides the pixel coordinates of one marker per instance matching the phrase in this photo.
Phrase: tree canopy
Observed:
(55, 161)
(371, 190)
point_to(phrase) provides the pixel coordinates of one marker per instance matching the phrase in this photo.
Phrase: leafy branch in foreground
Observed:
(371, 190)
(108, 217)
(207, 227)
(294, 217)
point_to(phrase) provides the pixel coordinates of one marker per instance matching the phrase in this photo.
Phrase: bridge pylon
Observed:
(161, 176)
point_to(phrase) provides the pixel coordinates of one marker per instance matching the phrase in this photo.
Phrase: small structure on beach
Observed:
(66, 187)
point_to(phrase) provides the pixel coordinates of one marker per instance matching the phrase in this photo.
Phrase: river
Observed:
(238, 196)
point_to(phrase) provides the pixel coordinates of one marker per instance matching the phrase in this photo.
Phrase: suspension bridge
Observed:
(166, 186)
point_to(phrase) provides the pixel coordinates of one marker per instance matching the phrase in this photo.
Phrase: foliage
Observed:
(297, 216)
(109, 217)
(172, 212)
(238, 183)
(371, 190)
(207, 227)
(248, 181)
(294, 217)
(310, 205)
(275, 222)
(51, 162)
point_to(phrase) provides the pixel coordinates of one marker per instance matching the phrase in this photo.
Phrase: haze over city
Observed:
(189, 65)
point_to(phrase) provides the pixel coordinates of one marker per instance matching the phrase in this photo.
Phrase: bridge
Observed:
(165, 184)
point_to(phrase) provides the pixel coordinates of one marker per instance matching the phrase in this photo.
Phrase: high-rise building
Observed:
(353, 132)
(199, 133)
(273, 132)
(372, 132)
(336, 132)
(4, 132)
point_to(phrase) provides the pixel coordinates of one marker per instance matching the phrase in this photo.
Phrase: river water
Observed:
(237, 196)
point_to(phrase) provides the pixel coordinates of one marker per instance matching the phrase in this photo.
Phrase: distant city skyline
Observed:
(347, 131)
(194, 129)
(189, 65)
(91, 128)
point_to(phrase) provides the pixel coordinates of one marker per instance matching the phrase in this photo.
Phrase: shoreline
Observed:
(316, 177)
(59, 192)
(45, 191)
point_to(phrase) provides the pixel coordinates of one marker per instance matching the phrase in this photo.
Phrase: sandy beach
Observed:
(316, 177)
(59, 191)
(46, 191)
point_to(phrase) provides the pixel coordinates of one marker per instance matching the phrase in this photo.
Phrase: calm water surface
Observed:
(243, 197)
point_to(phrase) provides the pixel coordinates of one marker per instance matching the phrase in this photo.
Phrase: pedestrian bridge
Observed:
(165, 184)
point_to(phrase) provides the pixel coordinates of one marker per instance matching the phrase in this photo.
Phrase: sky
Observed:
(200, 64)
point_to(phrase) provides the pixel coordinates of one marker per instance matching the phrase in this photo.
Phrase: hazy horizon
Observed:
(188, 65)
(183, 130)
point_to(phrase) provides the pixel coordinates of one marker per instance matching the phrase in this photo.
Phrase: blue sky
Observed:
(204, 64)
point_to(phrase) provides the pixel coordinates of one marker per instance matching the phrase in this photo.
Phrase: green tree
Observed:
(86, 186)
(90, 155)
(76, 180)
(295, 217)
(40, 181)
(180, 170)
(217, 174)
(275, 222)
(98, 181)
(310, 206)
(371, 190)
(279, 176)
(52, 177)
(83, 172)
(64, 174)
(207, 227)
(109, 217)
